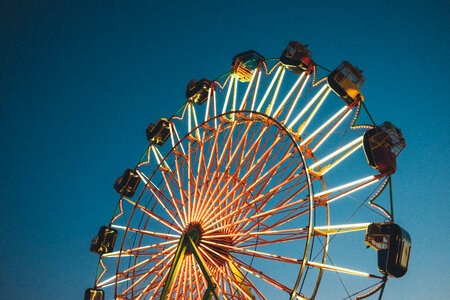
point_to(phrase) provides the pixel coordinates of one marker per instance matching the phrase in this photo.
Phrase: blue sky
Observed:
(81, 80)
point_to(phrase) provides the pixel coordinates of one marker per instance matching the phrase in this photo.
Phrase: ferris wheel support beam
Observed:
(186, 243)
(288, 95)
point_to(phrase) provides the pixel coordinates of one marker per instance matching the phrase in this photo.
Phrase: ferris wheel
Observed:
(261, 186)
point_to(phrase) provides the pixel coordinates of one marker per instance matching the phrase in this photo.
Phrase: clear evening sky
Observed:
(81, 80)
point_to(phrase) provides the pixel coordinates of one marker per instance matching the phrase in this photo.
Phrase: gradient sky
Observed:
(81, 80)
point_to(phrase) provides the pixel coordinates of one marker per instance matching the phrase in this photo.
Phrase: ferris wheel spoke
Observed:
(303, 126)
(307, 107)
(261, 161)
(249, 86)
(138, 250)
(341, 270)
(111, 280)
(173, 201)
(160, 259)
(207, 204)
(149, 233)
(236, 151)
(297, 97)
(197, 200)
(230, 178)
(240, 214)
(272, 83)
(351, 147)
(208, 181)
(254, 217)
(263, 198)
(227, 97)
(364, 182)
(275, 94)
(330, 131)
(151, 286)
(188, 171)
(180, 187)
(158, 217)
(289, 94)
(343, 112)
(251, 223)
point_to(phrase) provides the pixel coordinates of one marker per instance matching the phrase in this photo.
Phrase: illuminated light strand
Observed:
(214, 107)
(331, 131)
(277, 89)
(376, 194)
(153, 233)
(189, 117)
(157, 275)
(142, 161)
(142, 176)
(234, 97)
(368, 178)
(195, 121)
(372, 291)
(108, 285)
(172, 138)
(121, 211)
(352, 191)
(127, 252)
(256, 91)
(305, 109)
(336, 115)
(340, 269)
(244, 100)
(268, 89)
(208, 102)
(156, 155)
(159, 157)
(291, 109)
(102, 274)
(340, 150)
(316, 109)
(329, 167)
(345, 228)
(289, 94)
(178, 137)
(157, 218)
(230, 85)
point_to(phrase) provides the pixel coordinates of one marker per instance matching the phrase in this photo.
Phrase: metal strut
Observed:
(187, 243)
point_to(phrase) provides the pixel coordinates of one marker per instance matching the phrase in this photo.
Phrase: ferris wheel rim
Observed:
(262, 118)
